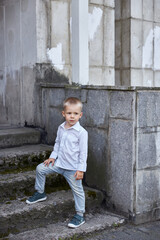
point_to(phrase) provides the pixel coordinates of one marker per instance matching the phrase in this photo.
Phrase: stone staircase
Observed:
(20, 153)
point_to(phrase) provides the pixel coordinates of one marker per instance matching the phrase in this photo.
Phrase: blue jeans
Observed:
(76, 185)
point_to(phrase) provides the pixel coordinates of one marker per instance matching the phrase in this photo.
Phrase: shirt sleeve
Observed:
(54, 153)
(83, 146)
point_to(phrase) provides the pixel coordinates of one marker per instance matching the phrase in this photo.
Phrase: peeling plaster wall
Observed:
(137, 43)
(39, 31)
(18, 51)
(20, 41)
(101, 40)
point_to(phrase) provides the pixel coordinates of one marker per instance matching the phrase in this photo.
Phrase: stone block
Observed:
(136, 77)
(73, 92)
(52, 106)
(109, 38)
(125, 43)
(109, 76)
(136, 43)
(109, 3)
(147, 190)
(95, 37)
(84, 94)
(122, 105)
(147, 50)
(148, 7)
(118, 78)
(148, 78)
(12, 35)
(125, 9)
(126, 78)
(121, 142)
(148, 109)
(136, 9)
(95, 76)
(157, 78)
(96, 109)
(118, 6)
(60, 35)
(147, 149)
(156, 10)
(97, 169)
(2, 48)
(56, 97)
(53, 119)
(98, 2)
(118, 44)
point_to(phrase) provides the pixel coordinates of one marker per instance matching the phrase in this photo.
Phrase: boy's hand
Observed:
(79, 175)
(48, 161)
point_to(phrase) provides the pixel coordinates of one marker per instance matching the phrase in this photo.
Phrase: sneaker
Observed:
(76, 221)
(37, 197)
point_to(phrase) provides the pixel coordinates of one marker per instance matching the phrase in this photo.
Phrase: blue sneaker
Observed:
(37, 197)
(76, 221)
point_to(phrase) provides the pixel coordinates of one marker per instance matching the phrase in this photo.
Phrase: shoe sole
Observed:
(39, 200)
(74, 226)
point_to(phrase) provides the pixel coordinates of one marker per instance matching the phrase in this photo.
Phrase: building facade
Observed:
(107, 53)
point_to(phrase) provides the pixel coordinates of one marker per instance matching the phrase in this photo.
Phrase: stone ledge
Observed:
(17, 216)
(145, 217)
(91, 87)
(23, 156)
(94, 222)
(18, 185)
(19, 136)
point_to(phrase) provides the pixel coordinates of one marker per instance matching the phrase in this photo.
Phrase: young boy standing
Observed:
(68, 158)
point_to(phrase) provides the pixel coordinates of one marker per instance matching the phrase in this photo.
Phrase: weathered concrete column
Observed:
(80, 61)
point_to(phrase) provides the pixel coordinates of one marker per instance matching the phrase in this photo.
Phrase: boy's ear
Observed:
(63, 114)
(81, 114)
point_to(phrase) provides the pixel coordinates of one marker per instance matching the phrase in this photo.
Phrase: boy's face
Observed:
(72, 114)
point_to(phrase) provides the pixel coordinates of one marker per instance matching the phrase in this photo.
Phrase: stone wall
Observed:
(148, 155)
(123, 158)
(137, 43)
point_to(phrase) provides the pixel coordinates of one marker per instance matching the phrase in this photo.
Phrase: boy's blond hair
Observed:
(72, 100)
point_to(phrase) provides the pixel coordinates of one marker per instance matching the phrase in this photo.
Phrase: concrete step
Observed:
(23, 156)
(94, 222)
(17, 216)
(11, 137)
(21, 184)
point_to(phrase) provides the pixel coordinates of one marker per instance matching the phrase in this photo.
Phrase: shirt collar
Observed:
(76, 126)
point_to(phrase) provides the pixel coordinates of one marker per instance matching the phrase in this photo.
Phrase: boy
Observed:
(68, 158)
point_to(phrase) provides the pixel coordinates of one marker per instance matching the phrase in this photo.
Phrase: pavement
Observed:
(147, 231)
